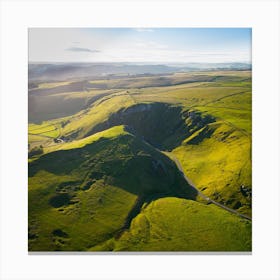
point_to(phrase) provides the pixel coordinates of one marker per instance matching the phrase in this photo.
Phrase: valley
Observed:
(140, 162)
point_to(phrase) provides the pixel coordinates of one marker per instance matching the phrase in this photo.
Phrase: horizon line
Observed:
(137, 62)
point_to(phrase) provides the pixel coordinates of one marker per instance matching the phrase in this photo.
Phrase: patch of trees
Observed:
(36, 151)
(64, 123)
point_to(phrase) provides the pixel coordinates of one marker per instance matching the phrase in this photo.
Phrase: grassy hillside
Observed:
(174, 224)
(217, 159)
(106, 134)
(48, 105)
(102, 179)
(75, 193)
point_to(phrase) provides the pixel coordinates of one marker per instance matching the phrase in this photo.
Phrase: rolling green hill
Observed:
(110, 173)
(198, 227)
(217, 159)
(104, 178)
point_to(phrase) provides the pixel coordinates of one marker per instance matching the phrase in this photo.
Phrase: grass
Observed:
(89, 190)
(96, 215)
(46, 107)
(240, 119)
(186, 95)
(174, 224)
(82, 123)
(32, 139)
(58, 200)
(235, 109)
(219, 164)
(45, 129)
(109, 133)
(52, 85)
(170, 80)
(107, 189)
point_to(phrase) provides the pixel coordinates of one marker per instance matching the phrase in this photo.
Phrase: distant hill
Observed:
(64, 71)
(112, 160)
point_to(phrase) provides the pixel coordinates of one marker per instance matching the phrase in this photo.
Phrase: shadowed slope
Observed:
(107, 179)
(163, 125)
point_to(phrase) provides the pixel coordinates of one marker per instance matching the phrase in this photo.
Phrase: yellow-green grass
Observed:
(106, 134)
(241, 101)
(187, 96)
(217, 158)
(81, 197)
(170, 79)
(219, 164)
(240, 119)
(59, 105)
(83, 122)
(184, 96)
(52, 85)
(44, 130)
(50, 107)
(174, 224)
(247, 83)
(141, 82)
(229, 73)
(235, 109)
(36, 138)
(44, 133)
(97, 215)
(226, 79)
(87, 220)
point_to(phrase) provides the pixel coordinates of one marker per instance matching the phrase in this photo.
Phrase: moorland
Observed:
(140, 161)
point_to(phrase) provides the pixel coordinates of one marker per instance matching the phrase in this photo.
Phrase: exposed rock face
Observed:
(137, 108)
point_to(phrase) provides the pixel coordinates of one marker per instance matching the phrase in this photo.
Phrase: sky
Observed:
(162, 45)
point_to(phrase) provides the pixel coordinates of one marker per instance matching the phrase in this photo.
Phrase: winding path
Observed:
(208, 199)
(178, 164)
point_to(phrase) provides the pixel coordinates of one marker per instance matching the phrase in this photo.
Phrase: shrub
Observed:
(36, 151)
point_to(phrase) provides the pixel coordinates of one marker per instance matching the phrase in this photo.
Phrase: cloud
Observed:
(76, 49)
(144, 30)
(150, 45)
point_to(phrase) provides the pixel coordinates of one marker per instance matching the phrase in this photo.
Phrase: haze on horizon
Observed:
(140, 45)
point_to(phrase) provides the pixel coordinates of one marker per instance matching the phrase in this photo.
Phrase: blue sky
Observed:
(163, 45)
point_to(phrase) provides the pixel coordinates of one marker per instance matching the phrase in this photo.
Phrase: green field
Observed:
(105, 179)
(155, 230)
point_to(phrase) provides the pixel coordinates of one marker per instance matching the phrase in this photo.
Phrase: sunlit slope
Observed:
(51, 100)
(88, 193)
(85, 190)
(174, 224)
(99, 105)
(217, 159)
(235, 109)
(112, 132)
(82, 123)
(212, 142)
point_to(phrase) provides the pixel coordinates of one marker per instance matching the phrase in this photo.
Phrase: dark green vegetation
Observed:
(101, 163)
